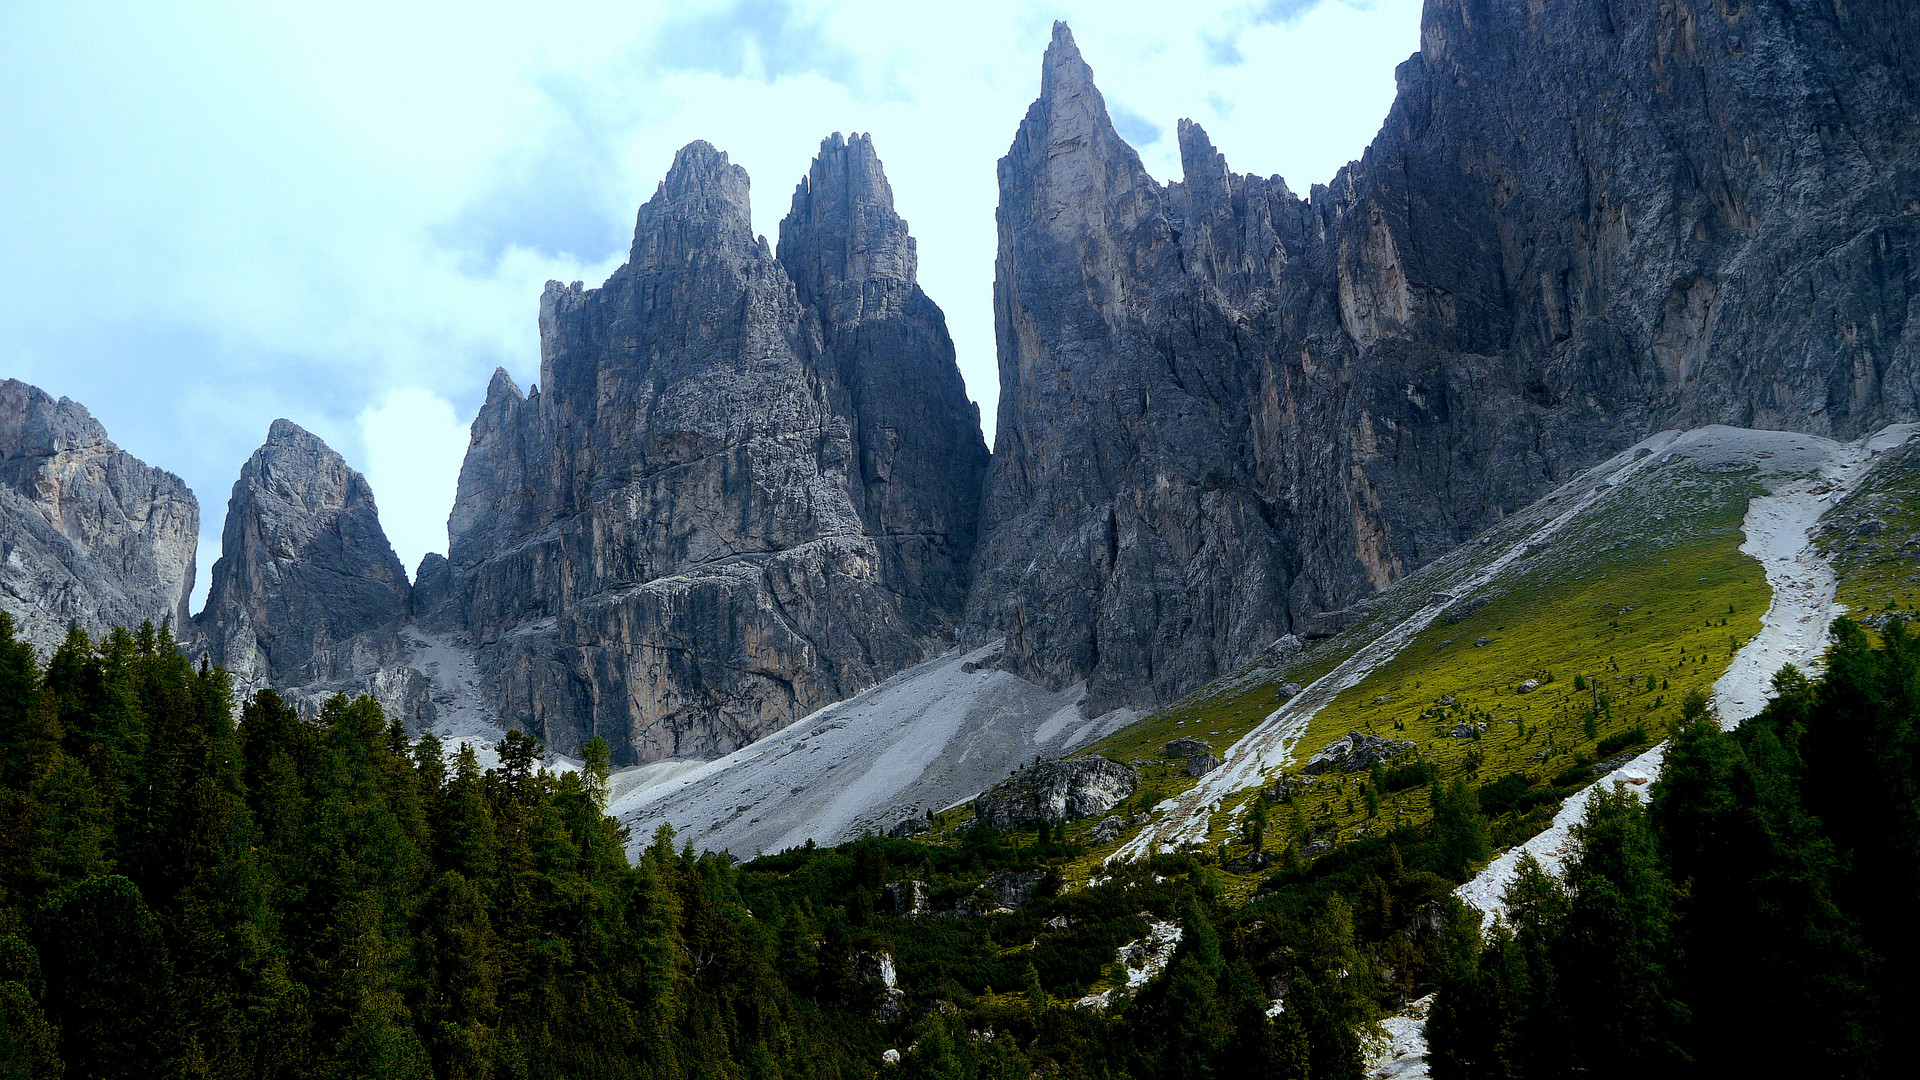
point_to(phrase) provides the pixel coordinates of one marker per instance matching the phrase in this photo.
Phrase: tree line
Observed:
(187, 894)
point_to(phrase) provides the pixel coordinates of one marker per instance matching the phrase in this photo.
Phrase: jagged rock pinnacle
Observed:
(744, 487)
(89, 534)
(843, 226)
(703, 204)
(304, 569)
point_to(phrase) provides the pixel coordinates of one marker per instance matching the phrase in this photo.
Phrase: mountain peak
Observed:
(842, 226)
(286, 431)
(1063, 72)
(703, 202)
(304, 565)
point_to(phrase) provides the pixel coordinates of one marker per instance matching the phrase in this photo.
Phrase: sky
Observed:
(218, 214)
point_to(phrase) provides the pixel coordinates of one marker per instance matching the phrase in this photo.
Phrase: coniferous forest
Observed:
(184, 895)
(1756, 919)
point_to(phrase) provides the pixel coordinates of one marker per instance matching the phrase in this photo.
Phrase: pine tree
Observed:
(110, 988)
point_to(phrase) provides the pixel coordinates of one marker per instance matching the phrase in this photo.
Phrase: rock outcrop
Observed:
(1055, 791)
(745, 487)
(1225, 409)
(308, 596)
(89, 535)
(1355, 752)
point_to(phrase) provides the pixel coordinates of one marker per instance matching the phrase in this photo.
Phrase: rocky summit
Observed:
(746, 486)
(307, 593)
(89, 535)
(1225, 408)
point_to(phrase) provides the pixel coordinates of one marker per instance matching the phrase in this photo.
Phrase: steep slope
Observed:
(1225, 409)
(929, 737)
(91, 535)
(307, 593)
(730, 501)
(1683, 564)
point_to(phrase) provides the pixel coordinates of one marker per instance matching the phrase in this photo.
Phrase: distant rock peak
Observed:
(842, 229)
(502, 384)
(307, 588)
(89, 534)
(704, 204)
(1212, 380)
(1203, 167)
(747, 486)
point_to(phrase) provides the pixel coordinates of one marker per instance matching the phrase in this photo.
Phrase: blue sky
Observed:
(217, 214)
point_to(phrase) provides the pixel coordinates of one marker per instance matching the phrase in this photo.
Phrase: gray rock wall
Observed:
(920, 460)
(1225, 408)
(307, 592)
(731, 500)
(89, 534)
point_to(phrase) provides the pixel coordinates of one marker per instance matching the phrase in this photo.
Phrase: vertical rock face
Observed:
(307, 589)
(1130, 542)
(1224, 408)
(919, 457)
(88, 533)
(716, 513)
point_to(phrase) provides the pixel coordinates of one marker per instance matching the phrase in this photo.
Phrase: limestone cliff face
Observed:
(89, 534)
(920, 459)
(715, 514)
(307, 596)
(1225, 408)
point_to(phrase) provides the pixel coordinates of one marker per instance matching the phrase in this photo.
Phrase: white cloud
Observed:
(414, 444)
(223, 212)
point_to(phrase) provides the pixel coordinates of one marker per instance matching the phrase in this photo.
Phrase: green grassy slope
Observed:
(1872, 539)
(1646, 586)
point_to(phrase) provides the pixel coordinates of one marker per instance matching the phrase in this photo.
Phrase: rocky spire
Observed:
(1079, 176)
(305, 571)
(485, 504)
(1214, 381)
(843, 229)
(739, 494)
(703, 206)
(89, 534)
(922, 458)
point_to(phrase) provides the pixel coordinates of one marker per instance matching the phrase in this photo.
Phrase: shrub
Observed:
(1501, 796)
(1613, 744)
(1401, 777)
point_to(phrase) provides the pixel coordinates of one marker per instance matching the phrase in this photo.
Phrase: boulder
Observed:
(912, 826)
(1055, 791)
(1201, 764)
(1011, 888)
(1187, 747)
(905, 897)
(1355, 752)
